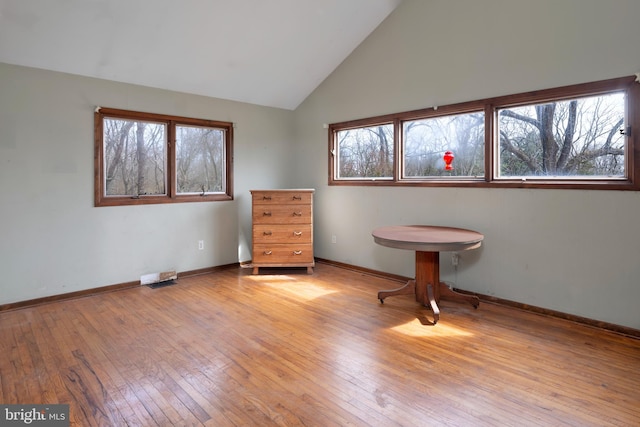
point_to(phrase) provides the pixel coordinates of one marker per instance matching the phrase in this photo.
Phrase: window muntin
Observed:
(425, 142)
(576, 138)
(365, 152)
(144, 158)
(591, 127)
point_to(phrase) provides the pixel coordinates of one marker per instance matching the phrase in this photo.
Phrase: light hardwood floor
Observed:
(289, 349)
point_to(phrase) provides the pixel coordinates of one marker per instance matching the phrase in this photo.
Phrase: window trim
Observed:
(627, 84)
(171, 196)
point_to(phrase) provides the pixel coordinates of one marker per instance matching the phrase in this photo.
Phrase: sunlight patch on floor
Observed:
(415, 328)
(269, 278)
(293, 286)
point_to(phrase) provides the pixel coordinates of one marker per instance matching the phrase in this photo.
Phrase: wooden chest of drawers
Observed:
(282, 228)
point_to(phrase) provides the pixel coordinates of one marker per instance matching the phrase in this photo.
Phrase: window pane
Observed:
(134, 157)
(572, 138)
(365, 152)
(200, 160)
(427, 140)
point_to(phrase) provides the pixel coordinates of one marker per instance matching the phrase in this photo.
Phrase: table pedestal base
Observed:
(428, 294)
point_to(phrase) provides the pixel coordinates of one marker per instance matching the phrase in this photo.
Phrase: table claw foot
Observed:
(447, 293)
(407, 289)
(433, 303)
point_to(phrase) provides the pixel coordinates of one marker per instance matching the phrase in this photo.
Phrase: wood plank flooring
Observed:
(284, 348)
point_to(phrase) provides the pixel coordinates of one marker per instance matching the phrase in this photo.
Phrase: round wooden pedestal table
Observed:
(428, 241)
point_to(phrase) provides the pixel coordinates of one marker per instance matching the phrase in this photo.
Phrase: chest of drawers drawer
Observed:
(273, 233)
(284, 214)
(276, 198)
(283, 255)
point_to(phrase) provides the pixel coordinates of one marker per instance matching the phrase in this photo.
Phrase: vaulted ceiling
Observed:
(266, 52)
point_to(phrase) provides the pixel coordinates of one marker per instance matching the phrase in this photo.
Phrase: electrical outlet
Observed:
(455, 259)
(200, 245)
(333, 239)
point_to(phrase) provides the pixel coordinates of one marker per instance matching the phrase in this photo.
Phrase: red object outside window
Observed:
(448, 158)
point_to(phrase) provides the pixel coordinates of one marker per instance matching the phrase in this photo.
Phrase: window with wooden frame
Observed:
(145, 158)
(578, 136)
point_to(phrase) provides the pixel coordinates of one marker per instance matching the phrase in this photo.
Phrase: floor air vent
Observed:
(158, 280)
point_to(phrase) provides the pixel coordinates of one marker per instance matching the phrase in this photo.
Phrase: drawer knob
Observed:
(297, 197)
(297, 214)
(297, 252)
(266, 197)
(267, 233)
(297, 233)
(267, 252)
(266, 213)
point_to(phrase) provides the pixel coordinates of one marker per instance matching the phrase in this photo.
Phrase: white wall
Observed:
(53, 240)
(573, 251)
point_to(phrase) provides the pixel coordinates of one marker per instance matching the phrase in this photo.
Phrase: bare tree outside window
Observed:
(135, 157)
(579, 137)
(426, 140)
(199, 159)
(366, 152)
